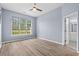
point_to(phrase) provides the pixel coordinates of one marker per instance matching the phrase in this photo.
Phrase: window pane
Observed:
(28, 26)
(15, 26)
(21, 26)
(15, 23)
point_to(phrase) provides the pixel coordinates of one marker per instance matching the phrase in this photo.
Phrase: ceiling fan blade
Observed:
(35, 8)
(34, 3)
(30, 9)
(38, 9)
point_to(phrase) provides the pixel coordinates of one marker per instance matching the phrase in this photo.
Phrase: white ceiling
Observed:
(24, 8)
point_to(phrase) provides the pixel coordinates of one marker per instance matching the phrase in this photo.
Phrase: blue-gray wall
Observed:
(6, 26)
(49, 26)
(69, 8)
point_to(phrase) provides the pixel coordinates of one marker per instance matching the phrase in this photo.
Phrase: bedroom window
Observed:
(21, 26)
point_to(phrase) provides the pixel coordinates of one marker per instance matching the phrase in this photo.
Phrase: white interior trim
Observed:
(8, 41)
(49, 40)
(11, 41)
(0, 44)
(0, 27)
(63, 29)
(77, 29)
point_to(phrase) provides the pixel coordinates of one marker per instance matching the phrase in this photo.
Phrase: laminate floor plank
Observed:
(35, 47)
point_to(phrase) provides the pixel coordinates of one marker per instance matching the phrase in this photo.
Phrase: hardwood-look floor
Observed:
(35, 47)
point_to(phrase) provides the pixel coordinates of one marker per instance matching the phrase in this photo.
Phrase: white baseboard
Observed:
(10, 41)
(50, 40)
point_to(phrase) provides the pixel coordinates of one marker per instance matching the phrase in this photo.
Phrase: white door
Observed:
(0, 35)
(71, 30)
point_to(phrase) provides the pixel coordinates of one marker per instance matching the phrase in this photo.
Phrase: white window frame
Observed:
(19, 27)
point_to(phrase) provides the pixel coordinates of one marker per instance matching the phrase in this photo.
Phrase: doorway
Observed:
(71, 30)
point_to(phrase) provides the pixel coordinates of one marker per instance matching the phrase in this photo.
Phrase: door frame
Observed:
(1, 27)
(63, 36)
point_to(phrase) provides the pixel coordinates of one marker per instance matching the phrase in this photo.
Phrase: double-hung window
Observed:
(21, 26)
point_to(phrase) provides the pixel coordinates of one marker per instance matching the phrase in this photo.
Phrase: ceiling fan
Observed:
(35, 8)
